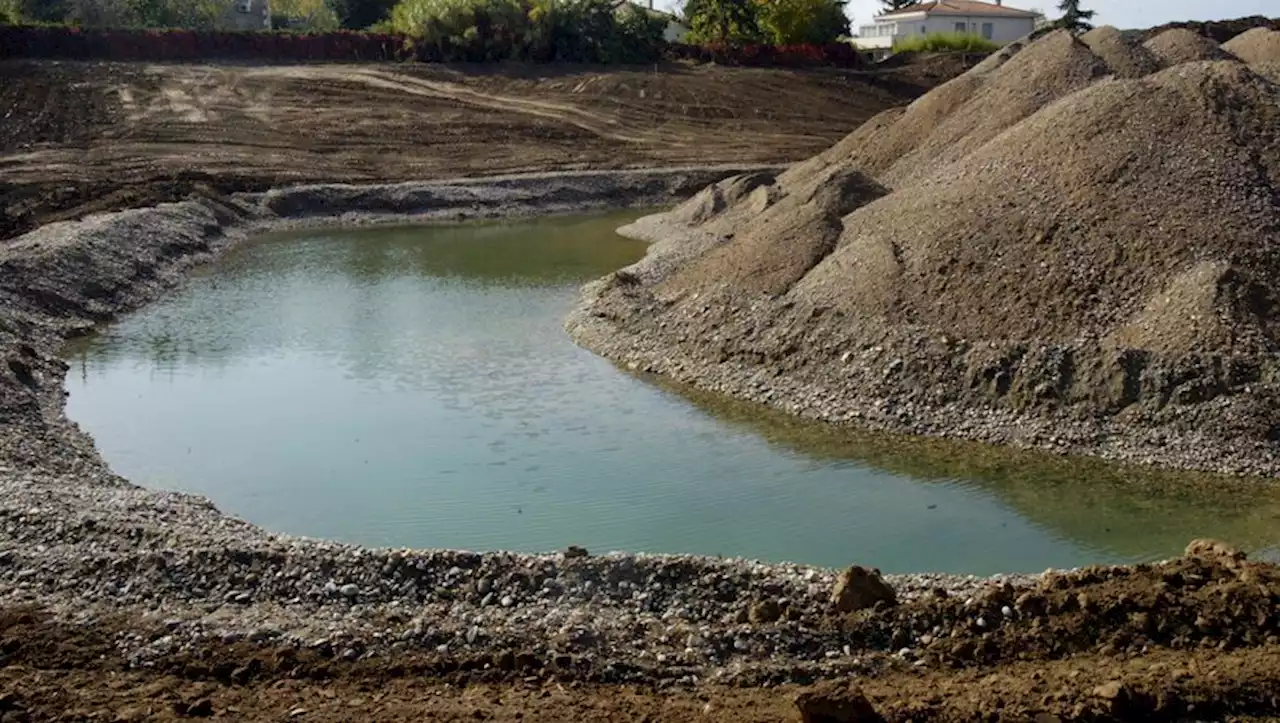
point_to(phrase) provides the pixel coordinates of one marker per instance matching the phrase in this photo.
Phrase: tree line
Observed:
(570, 30)
(507, 28)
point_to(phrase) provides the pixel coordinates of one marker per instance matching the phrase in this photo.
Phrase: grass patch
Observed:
(944, 42)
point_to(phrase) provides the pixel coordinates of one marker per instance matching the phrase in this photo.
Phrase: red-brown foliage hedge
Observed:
(195, 45)
(842, 55)
(169, 45)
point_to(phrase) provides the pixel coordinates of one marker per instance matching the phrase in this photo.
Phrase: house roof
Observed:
(960, 7)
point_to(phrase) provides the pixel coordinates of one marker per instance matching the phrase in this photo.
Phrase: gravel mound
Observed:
(1058, 240)
(1184, 46)
(1045, 267)
(1123, 54)
(1260, 45)
(989, 100)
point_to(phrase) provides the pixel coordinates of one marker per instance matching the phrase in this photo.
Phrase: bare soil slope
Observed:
(1053, 235)
(79, 137)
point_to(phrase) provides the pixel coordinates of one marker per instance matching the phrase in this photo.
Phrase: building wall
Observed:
(247, 15)
(675, 32)
(882, 34)
(1003, 30)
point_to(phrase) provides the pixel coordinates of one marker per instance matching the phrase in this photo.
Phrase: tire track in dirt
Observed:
(596, 123)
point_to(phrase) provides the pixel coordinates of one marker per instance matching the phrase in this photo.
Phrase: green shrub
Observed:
(587, 31)
(799, 22)
(945, 42)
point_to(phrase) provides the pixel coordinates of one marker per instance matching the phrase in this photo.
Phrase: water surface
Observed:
(414, 387)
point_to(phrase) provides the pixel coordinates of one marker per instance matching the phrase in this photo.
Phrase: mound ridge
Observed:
(1180, 45)
(1078, 239)
(1259, 45)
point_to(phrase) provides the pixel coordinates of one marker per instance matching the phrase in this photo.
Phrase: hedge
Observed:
(195, 45)
(842, 55)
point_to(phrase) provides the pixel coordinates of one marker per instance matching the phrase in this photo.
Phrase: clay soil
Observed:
(85, 137)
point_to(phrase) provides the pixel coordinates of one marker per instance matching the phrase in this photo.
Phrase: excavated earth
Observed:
(1074, 246)
(119, 603)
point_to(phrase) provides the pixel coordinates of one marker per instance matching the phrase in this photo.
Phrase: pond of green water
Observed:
(414, 387)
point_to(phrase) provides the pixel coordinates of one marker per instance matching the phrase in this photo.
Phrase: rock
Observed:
(1215, 551)
(765, 611)
(349, 590)
(1121, 701)
(575, 551)
(202, 708)
(858, 588)
(1110, 691)
(835, 702)
(485, 586)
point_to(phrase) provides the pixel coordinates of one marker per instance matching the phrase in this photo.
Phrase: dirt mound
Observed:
(1192, 602)
(1260, 45)
(1123, 54)
(1112, 162)
(1176, 46)
(1056, 232)
(780, 242)
(953, 120)
(1219, 31)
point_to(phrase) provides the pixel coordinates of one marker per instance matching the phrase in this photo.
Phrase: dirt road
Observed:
(83, 137)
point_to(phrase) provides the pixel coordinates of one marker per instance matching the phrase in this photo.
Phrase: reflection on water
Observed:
(413, 387)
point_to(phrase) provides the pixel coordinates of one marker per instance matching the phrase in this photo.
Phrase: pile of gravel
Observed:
(1056, 249)
(1260, 45)
(1179, 45)
(1123, 54)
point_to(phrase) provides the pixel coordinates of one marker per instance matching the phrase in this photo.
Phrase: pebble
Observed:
(349, 590)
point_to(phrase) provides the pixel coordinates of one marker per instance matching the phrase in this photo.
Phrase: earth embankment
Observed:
(83, 137)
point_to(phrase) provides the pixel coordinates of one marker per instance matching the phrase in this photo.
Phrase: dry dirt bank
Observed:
(88, 137)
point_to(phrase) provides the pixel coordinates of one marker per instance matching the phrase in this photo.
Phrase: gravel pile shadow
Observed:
(1071, 247)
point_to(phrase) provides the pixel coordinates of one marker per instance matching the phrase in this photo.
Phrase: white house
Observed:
(994, 21)
(246, 15)
(673, 32)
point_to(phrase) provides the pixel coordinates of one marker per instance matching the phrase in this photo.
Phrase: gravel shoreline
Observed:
(86, 545)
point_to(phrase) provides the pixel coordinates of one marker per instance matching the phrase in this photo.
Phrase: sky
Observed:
(1124, 14)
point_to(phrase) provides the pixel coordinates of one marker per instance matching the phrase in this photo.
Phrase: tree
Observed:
(892, 5)
(723, 21)
(792, 22)
(40, 11)
(1073, 18)
(361, 14)
(310, 15)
